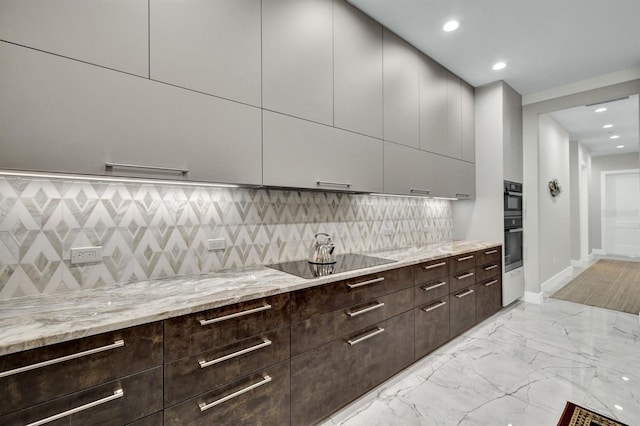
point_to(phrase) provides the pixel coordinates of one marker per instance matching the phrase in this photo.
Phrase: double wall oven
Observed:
(513, 241)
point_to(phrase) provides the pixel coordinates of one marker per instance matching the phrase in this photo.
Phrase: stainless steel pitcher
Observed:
(321, 250)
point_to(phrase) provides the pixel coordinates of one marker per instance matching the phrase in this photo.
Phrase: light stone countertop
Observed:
(35, 321)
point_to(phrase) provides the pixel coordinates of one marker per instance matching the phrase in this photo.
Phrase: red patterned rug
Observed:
(575, 415)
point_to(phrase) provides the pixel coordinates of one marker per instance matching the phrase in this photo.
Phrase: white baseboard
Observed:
(551, 284)
(531, 297)
(599, 252)
(576, 263)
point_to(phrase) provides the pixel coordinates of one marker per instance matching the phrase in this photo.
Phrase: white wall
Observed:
(599, 165)
(580, 170)
(555, 212)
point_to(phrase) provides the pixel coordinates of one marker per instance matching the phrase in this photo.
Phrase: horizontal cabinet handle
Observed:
(366, 336)
(462, 195)
(264, 344)
(119, 393)
(466, 293)
(490, 283)
(467, 275)
(436, 265)
(203, 406)
(236, 315)
(488, 268)
(433, 287)
(419, 191)
(363, 283)
(116, 344)
(434, 307)
(465, 258)
(491, 252)
(364, 310)
(327, 183)
(110, 166)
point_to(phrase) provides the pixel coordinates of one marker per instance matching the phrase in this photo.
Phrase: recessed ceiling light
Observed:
(607, 126)
(625, 378)
(621, 146)
(614, 137)
(451, 26)
(499, 66)
(601, 109)
(618, 407)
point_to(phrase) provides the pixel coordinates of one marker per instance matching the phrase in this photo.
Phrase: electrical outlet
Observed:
(86, 254)
(217, 244)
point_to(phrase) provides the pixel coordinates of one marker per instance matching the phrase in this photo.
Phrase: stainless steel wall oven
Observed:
(513, 231)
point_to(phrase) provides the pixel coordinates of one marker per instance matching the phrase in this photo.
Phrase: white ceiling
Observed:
(545, 44)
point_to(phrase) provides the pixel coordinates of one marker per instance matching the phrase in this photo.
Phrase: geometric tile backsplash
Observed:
(161, 230)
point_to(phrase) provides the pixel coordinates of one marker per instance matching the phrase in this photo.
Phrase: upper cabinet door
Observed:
(297, 58)
(433, 107)
(410, 171)
(112, 34)
(461, 179)
(468, 129)
(357, 70)
(401, 91)
(208, 46)
(302, 154)
(454, 116)
(67, 116)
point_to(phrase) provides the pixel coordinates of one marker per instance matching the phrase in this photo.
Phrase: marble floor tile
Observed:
(517, 368)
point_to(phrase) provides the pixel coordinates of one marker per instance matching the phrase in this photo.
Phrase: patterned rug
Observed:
(611, 284)
(575, 415)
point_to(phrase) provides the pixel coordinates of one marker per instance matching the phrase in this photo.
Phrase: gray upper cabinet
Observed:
(433, 107)
(461, 179)
(302, 154)
(409, 171)
(468, 128)
(209, 46)
(297, 58)
(63, 115)
(112, 34)
(401, 65)
(454, 116)
(357, 70)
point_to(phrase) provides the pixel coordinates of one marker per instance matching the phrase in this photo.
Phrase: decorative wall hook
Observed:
(554, 188)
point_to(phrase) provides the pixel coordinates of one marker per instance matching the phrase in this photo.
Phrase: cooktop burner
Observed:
(344, 263)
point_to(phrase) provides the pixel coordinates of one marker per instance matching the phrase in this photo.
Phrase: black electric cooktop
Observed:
(344, 263)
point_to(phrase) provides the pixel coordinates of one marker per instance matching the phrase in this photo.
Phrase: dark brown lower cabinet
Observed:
(432, 326)
(489, 298)
(462, 310)
(152, 420)
(259, 399)
(326, 378)
(115, 403)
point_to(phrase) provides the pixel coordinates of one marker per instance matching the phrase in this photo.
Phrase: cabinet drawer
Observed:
(462, 310)
(492, 254)
(325, 328)
(260, 398)
(463, 262)
(42, 374)
(431, 290)
(430, 271)
(192, 334)
(322, 299)
(462, 279)
(489, 270)
(189, 377)
(115, 403)
(489, 298)
(432, 326)
(152, 420)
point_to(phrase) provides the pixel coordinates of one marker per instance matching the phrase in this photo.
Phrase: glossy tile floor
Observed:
(517, 368)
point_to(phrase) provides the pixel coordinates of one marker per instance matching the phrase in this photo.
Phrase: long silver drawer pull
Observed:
(116, 344)
(236, 315)
(363, 283)
(326, 183)
(109, 166)
(467, 275)
(366, 336)
(436, 306)
(437, 265)
(119, 393)
(264, 344)
(488, 268)
(264, 381)
(462, 195)
(466, 293)
(491, 252)
(419, 191)
(431, 287)
(490, 283)
(364, 310)
(465, 258)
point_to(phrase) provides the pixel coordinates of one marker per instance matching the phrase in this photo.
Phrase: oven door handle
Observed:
(515, 194)
(511, 231)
